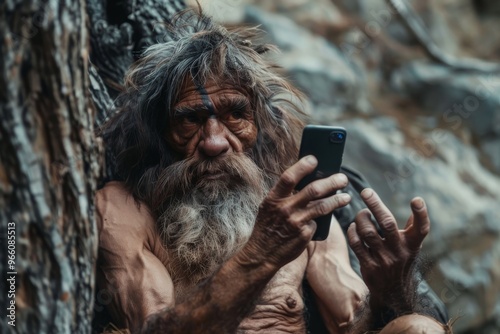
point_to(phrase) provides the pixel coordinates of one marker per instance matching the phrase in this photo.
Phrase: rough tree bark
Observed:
(50, 160)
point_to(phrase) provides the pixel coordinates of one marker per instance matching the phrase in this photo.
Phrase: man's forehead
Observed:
(191, 89)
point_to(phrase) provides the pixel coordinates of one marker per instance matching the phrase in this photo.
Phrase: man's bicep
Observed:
(136, 288)
(133, 278)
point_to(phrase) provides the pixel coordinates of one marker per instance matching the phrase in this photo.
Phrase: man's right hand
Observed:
(284, 224)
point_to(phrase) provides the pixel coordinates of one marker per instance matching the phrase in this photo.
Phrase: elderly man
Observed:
(204, 232)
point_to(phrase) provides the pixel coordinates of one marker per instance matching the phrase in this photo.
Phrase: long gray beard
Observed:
(204, 222)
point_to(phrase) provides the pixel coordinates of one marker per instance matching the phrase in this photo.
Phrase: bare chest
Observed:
(280, 308)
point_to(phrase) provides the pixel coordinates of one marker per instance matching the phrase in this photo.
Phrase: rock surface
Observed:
(415, 127)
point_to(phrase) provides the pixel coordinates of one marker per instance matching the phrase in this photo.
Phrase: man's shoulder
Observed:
(114, 195)
(114, 202)
(114, 191)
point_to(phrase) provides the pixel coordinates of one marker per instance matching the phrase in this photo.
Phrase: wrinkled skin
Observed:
(415, 324)
(259, 288)
(212, 123)
(386, 261)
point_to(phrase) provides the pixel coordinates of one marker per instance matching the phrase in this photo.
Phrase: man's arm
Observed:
(132, 281)
(388, 262)
(338, 290)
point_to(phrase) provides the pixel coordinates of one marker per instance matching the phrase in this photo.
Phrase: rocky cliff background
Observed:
(422, 115)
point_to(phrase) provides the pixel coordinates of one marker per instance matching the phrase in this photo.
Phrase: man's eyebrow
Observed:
(188, 109)
(238, 102)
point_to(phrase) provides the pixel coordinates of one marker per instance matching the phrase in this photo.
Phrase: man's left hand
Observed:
(386, 262)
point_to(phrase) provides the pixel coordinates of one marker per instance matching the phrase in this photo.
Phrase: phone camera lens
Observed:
(337, 137)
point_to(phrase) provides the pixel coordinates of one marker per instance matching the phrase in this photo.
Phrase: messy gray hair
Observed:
(201, 49)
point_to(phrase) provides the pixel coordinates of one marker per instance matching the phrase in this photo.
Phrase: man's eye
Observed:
(191, 118)
(238, 114)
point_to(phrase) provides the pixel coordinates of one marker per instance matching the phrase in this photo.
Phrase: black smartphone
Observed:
(326, 143)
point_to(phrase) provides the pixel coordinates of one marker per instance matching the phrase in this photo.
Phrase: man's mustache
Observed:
(230, 166)
(182, 176)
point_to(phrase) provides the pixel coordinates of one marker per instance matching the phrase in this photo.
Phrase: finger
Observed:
(409, 222)
(366, 230)
(324, 206)
(289, 179)
(384, 217)
(310, 228)
(321, 188)
(417, 232)
(357, 245)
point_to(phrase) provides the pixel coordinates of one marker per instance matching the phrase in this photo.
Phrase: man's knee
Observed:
(415, 323)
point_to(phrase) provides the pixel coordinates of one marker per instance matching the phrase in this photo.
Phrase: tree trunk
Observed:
(50, 161)
(49, 165)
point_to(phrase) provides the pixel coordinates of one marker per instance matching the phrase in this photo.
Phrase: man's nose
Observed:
(214, 140)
